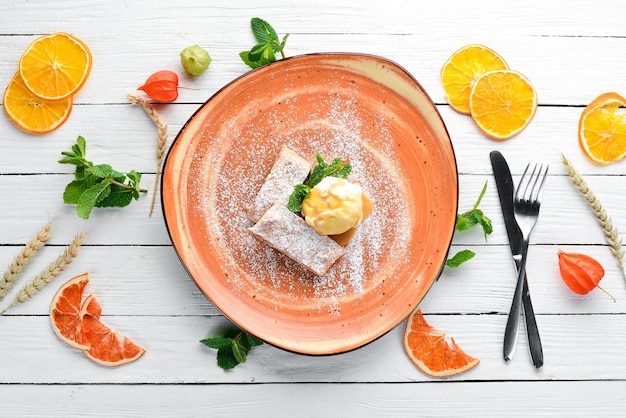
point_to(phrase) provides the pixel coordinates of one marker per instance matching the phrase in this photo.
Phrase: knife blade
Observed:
(505, 186)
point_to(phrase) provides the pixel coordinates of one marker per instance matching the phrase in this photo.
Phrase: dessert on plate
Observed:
(308, 215)
(288, 170)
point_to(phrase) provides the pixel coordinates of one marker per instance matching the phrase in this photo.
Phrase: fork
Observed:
(526, 204)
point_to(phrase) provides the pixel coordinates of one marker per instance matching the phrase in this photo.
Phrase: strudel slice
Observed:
(288, 170)
(286, 232)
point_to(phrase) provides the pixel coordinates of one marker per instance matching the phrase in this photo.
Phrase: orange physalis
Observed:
(580, 272)
(161, 86)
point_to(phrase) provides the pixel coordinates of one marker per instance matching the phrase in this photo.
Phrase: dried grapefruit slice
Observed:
(31, 113)
(105, 346)
(502, 103)
(65, 311)
(602, 129)
(462, 69)
(55, 66)
(430, 351)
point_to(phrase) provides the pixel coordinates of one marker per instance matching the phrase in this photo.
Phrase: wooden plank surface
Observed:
(492, 399)
(571, 51)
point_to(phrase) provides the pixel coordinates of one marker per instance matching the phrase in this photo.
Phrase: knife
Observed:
(504, 183)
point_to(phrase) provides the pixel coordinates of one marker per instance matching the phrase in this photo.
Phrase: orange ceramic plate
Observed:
(361, 108)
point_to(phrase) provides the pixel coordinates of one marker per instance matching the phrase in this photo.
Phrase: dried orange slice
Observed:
(430, 351)
(78, 324)
(105, 346)
(55, 66)
(65, 311)
(462, 69)
(31, 113)
(602, 129)
(502, 103)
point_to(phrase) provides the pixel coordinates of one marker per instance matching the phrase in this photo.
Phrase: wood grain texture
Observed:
(489, 399)
(175, 355)
(571, 51)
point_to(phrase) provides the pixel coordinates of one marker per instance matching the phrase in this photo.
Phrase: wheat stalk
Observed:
(49, 273)
(22, 259)
(161, 138)
(611, 233)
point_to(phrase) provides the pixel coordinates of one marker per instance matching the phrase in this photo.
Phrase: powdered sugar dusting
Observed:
(334, 128)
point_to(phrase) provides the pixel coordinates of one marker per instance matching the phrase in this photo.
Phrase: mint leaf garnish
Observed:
(119, 197)
(90, 197)
(232, 348)
(75, 189)
(301, 191)
(475, 216)
(468, 220)
(97, 185)
(268, 44)
(460, 258)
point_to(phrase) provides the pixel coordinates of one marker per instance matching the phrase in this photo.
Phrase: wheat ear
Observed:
(611, 233)
(161, 138)
(22, 259)
(49, 273)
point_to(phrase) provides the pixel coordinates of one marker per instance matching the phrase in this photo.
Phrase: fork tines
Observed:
(530, 187)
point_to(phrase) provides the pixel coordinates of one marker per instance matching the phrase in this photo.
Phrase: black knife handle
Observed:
(534, 341)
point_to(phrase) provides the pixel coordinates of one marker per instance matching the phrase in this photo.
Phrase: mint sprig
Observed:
(475, 216)
(301, 191)
(468, 220)
(233, 347)
(267, 47)
(460, 258)
(97, 185)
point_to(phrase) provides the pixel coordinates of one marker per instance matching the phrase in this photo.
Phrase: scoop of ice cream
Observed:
(334, 206)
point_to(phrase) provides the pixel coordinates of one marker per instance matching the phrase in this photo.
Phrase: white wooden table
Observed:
(571, 51)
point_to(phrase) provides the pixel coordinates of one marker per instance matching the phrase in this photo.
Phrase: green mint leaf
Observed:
(462, 223)
(300, 192)
(317, 174)
(244, 55)
(232, 333)
(81, 146)
(91, 197)
(118, 198)
(70, 153)
(335, 169)
(232, 348)
(262, 54)
(80, 172)
(134, 177)
(263, 31)
(97, 185)
(117, 176)
(460, 258)
(477, 217)
(252, 340)
(76, 188)
(217, 342)
(239, 351)
(134, 180)
(226, 359)
(474, 216)
(467, 220)
(72, 159)
(268, 44)
(338, 169)
(103, 171)
(485, 222)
